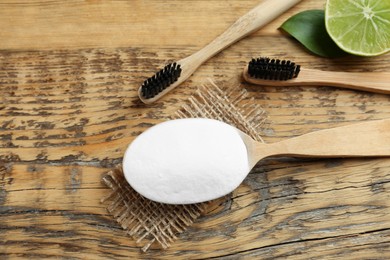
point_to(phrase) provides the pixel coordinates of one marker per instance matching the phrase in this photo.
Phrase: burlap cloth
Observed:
(149, 222)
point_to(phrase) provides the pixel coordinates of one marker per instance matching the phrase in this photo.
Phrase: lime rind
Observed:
(360, 27)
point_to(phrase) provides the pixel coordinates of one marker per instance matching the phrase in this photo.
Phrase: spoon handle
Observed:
(362, 139)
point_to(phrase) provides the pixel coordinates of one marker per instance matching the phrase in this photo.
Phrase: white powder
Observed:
(186, 161)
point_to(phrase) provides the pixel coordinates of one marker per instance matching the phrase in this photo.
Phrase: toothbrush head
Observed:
(272, 69)
(160, 81)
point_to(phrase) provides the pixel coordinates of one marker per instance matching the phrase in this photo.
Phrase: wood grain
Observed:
(94, 23)
(69, 72)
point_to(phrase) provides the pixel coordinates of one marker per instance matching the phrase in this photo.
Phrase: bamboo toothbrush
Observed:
(274, 72)
(176, 73)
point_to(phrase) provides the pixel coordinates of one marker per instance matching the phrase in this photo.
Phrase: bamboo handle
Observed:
(378, 82)
(363, 139)
(259, 16)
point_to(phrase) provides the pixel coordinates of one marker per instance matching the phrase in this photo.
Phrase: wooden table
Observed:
(69, 72)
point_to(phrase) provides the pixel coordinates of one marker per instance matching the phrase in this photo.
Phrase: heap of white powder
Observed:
(186, 161)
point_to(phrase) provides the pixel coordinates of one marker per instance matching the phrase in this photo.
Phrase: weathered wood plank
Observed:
(282, 209)
(54, 108)
(23, 25)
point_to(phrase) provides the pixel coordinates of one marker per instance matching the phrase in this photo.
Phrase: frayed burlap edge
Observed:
(146, 220)
(227, 105)
(149, 222)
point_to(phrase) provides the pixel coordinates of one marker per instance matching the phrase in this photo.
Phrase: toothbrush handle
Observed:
(378, 82)
(259, 16)
(362, 139)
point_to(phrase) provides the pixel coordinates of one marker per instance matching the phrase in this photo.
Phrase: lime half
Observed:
(360, 27)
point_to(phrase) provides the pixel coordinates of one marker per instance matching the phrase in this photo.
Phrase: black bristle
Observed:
(272, 69)
(161, 80)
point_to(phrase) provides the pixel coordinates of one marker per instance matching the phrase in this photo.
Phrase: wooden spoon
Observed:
(178, 183)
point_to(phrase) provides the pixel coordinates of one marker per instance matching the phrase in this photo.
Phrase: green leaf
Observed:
(308, 27)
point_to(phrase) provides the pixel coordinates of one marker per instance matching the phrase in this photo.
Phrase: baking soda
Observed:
(186, 161)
